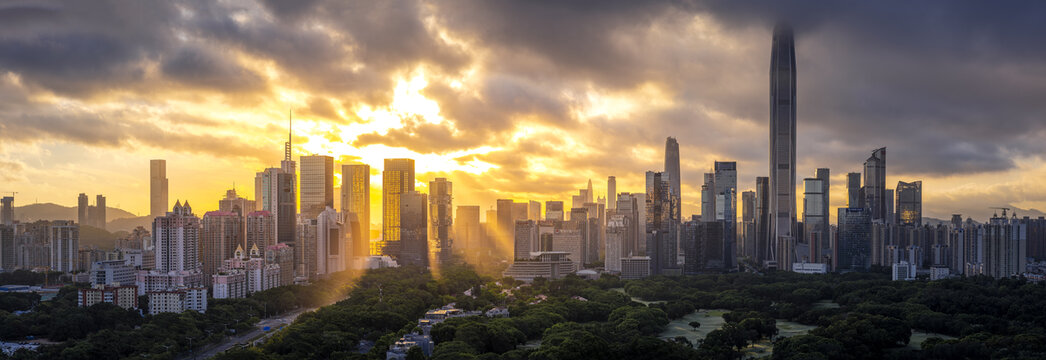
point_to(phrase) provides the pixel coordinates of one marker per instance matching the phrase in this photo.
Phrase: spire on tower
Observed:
(290, 135)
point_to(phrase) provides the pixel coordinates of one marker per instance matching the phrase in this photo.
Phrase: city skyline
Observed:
(464, 116)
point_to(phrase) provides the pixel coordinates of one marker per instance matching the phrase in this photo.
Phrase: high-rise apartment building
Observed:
(259, 230)
(441, 220)
(909, 203)
(64, 237)
(397, 179)
(157, 187)
(222, 234)
(275, 192)
(355, 199)
(316, 184)
(177, 239)
(782, 142)
(235, 204)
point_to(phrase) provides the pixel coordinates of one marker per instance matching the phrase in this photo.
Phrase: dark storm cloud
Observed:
(207, 69)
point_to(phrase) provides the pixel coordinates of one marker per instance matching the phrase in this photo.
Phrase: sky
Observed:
(517, 99)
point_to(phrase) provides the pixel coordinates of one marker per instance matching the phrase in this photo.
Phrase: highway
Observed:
(211, 350)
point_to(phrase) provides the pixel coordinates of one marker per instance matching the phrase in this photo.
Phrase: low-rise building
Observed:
(635, 267)
(398, 351)
(125, 296)
(903, 271)
(546, 264)
(178, 300)
(229, 284)
(810, 268)
(112, 271)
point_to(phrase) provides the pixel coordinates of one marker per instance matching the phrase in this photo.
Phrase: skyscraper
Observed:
(748, 232)
(157, 187)
(466, 228)
(910, 203)
(726, 208)
(672, 167)
(235, 204)
(355, 199)
(177, 238)
(854, 198)
(82, 204)
(7, 210)
(661, 241)
(397, 178)
(534, 210)
(332, 242)
(317, 184)
(260, 230)
(441, 219)
(782, 140)
(611, 193)
(708, 198)
(64, 237)
(815, 218)
(414, 245)
(505, 222)
(553, 210)
(762, 220)
(96, 214)
(222, 233)
(875, 198)
(854, 250)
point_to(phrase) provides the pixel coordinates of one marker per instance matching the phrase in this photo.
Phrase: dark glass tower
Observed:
(782, 145)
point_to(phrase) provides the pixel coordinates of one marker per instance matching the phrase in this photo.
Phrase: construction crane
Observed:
(1004, 210)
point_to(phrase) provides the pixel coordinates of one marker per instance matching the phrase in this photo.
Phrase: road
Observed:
(209, 351)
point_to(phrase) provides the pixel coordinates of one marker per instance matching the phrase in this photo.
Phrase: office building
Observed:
(570, 242)
(763, 245)
(554, 211)
(82, 205)
(875, 197)
(332, 243)
(7, 210)
(355, 199)
(725, 183)
(672, 175)
(316, 184)
(782, 143)
(397, 179)
(534, 210)
(748, 233)
(414, 229)
(854, 246)
(635, 267)
(441, 219)
(855, 196)
(549, 265)
(466, 228)
(618, 230)
(611, 192)
(815, 221)
(158, 200)
(660, 239)
(525, 240)
(909, 203)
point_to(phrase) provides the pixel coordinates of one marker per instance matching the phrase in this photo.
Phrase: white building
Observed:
(903, 271)
(616, 235)
(229, 284)
(635, 267)
(548, 264)
(178, 300)
(64, 237)
(158, 281)
(809, 268)
(125, 296)
(112, 271)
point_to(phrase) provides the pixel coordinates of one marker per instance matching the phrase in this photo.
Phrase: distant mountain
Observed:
(118, 219)
(92, 236)
(50, 211)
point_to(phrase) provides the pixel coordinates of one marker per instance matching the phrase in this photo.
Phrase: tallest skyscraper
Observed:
(782, 146)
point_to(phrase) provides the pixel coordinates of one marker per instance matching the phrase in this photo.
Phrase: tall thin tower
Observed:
(782, 145)
(157, 187)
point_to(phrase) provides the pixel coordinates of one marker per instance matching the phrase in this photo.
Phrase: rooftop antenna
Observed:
(290, 135)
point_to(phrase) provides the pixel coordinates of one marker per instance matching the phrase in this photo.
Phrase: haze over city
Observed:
(509, 101)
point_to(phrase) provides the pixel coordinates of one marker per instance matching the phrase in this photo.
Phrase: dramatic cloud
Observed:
(529, 99)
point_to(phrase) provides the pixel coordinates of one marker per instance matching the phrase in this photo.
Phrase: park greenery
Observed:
(106, 331)
(853, 316)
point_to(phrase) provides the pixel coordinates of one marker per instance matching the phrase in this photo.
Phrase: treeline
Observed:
(106, 331)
